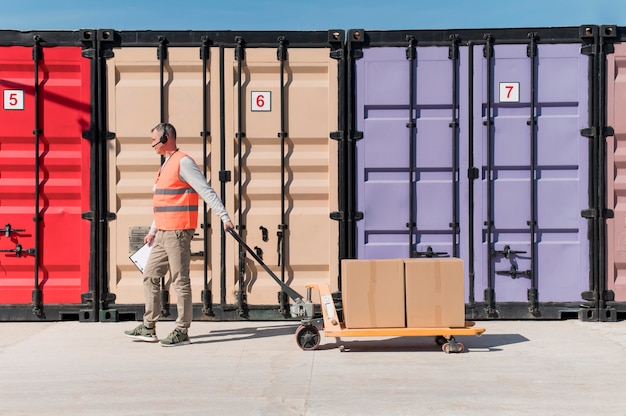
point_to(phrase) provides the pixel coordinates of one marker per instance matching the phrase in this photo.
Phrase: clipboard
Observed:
(140, 257)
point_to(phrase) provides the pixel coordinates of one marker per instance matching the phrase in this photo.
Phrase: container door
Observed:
(508, 167)
(134, 97)
(406, 177)
(283, 190)
(44, 175)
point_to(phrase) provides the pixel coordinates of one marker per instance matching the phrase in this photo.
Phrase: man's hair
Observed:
(169, 129)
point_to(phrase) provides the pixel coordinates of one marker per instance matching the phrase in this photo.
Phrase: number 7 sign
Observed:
(509, 92)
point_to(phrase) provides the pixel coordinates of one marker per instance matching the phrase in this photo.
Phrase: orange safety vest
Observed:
(175, 203)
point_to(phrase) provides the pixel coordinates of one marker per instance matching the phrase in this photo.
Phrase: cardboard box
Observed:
(434, 293)
(373, 293)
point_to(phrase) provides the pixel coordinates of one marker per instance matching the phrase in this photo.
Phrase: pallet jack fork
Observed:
(308, 334)
(300, 308)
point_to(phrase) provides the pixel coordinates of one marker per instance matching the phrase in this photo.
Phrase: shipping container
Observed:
(473, 144)
(614, 128)
(256, 110)
(45, 183)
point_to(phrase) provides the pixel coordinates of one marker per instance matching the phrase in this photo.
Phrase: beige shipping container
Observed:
(141, 87)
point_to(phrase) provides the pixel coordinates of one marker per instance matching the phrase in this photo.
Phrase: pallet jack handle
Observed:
(288, 290)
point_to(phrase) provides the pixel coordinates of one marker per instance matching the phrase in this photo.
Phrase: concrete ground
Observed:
(256, 368)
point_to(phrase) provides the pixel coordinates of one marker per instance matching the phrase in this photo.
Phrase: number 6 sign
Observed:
(261, 101)
(13, 99)
(509, 92)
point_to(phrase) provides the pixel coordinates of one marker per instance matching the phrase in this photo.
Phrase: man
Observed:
(176, 188)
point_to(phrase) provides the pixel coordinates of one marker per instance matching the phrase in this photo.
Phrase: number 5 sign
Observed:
(13, 99)
(261, 100)
(509, 92)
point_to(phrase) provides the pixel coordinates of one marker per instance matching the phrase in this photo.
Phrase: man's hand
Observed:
(149, 239)
(228, 225)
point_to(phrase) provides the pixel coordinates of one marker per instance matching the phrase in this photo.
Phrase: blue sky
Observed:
(276, 15)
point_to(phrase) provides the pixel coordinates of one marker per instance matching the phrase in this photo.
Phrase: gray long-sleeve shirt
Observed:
(190, 172)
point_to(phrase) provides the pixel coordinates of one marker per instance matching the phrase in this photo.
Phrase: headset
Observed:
(163, 138)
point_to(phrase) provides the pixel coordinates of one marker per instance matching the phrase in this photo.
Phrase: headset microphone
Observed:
(162, 139)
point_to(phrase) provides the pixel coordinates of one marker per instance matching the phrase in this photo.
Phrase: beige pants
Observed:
(171, 249)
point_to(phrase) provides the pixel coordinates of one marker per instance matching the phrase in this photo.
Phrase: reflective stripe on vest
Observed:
(175, 203)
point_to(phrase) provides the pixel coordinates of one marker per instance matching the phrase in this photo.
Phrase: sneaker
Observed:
(142, 333)
(176, 338)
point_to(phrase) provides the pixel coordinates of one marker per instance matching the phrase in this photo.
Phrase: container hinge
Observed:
(608, 49)
(336, 135)
(608, 131)
(593, 213)
(107, 53)
(337, 54)
(87, 297)
(594, 295)
(588, 50)
(90, 216)
(589, 213)
(87, 135)
(224, 176)
(589, 295)
(588, 132)
(358, 216)
(337, 215)
(356, 53)
(89, 53)
(355, 135)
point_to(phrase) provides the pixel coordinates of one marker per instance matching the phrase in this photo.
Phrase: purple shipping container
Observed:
(472, 148)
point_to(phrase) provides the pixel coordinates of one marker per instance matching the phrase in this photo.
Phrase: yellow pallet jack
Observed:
(308, 335)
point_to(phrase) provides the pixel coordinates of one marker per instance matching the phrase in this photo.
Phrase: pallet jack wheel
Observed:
(307, 337)
(457, 348)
